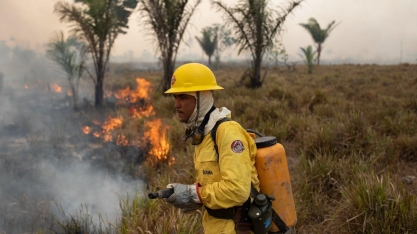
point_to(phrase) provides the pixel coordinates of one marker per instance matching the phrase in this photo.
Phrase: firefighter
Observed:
(223, 182)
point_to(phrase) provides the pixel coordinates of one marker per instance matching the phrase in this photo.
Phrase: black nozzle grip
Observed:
(165, 193)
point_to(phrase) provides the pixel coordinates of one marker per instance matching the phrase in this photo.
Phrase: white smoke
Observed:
(46, 163)
(80, 185)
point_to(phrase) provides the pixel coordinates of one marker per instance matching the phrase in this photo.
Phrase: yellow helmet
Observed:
(193, 77)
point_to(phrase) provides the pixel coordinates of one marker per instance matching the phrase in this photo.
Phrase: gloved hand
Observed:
(184, 197)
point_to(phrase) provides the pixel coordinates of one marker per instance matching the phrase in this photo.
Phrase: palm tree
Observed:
(69, 54)
(224, 39)
(208, 42)
(98, 23)
(167, 19)
(319, 35)
(256, 27)
(308, 57)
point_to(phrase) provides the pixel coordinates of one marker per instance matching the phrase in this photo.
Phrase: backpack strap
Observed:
(213, 134)
(283, 228)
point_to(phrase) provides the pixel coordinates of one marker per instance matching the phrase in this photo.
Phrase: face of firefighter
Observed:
(184, 105)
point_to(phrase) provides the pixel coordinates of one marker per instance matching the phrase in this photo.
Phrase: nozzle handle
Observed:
(165, 193)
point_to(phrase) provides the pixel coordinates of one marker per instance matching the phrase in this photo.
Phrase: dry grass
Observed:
(349, 133)
(150, 216)
(344, 123)
(377, 204)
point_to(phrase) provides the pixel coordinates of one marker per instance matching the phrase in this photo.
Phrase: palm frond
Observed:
(255, 25)
(208, 41)
(319, 35)
(167, 21)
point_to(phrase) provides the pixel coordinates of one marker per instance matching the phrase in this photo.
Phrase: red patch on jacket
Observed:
(237, 146)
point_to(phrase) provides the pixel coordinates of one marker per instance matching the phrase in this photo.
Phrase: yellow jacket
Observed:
(225, 180)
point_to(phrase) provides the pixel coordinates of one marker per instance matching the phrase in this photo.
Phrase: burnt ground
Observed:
(50, 169)
(46, 125)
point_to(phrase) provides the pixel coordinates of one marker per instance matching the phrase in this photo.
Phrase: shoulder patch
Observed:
(237, 146)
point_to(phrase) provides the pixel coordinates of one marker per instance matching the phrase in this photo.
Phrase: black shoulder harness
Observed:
(253, 193)
(213, 134)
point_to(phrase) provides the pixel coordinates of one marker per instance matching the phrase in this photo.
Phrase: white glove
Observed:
(184, 197)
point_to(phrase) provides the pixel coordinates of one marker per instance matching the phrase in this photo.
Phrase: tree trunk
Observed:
(209, 60)
(100, 72)
(168, 71)
(99, 90)
(74, 96)
(310, 68)
(256, 75)
(318, 53)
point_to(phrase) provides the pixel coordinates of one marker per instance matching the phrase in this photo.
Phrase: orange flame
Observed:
(110, 125)
(157, 132)
(157, 137)
(56, 88)
(121, 140)
(123, 94)
(86, 129)
(132, 96)
(148, 111)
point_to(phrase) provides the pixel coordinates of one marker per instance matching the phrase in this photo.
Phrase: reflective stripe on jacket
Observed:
(225, 180)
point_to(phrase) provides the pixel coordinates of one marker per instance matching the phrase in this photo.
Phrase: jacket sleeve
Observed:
(236, 160)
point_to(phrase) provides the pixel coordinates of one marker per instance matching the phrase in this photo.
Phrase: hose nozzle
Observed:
(165, 193)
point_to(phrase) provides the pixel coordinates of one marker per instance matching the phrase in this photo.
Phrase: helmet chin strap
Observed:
(198, 109)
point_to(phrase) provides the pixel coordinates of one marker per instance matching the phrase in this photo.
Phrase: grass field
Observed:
(350, 137)
(349, 132)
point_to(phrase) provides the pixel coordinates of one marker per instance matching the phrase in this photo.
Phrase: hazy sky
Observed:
(382, 30)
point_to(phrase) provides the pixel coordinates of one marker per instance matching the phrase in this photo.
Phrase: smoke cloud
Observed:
(49, 169)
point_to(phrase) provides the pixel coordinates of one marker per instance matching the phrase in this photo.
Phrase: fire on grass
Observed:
(49, 87)
(158, 139)
(56, 88)
(138, 107)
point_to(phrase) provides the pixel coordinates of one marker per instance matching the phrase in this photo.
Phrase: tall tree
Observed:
(98, 22)
(167, 19)
(208, 42)
(256, 26)
(319, 35)
(224, 39)
(69, 54)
